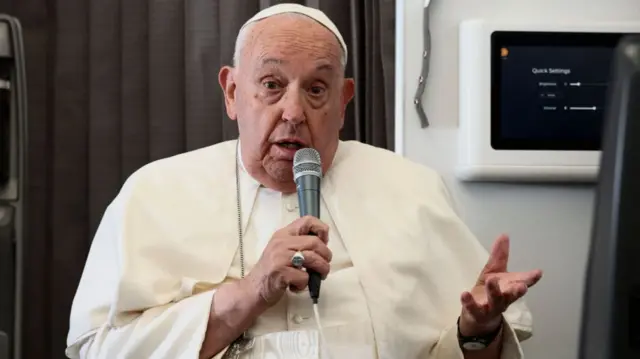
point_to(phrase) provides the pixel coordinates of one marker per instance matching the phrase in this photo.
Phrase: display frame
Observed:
(477, 160)
(509, 39)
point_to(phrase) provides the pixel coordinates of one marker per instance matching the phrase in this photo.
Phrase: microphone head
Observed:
(307, 161)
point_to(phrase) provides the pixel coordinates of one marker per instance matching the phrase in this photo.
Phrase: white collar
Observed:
(249, 187)
(244, 169)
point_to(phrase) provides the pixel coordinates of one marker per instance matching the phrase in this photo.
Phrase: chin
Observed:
(280, 171)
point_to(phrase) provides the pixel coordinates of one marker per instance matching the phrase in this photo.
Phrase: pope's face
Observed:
(287, 92)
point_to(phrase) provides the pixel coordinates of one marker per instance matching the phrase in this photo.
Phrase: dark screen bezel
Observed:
(501, 39)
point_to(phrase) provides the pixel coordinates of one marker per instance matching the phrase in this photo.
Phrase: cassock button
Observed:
(298, 319)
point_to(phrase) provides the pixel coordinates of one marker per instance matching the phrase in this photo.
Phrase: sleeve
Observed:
(97, 329)
(172, 331)
(448, 347)
(471, 258)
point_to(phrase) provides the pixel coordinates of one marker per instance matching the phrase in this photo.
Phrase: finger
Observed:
(309, 224)
(513, 292)
(495, 297)
(471, 306)
(314, 261)
(296, 279)
(529, 278)
(310, 243)
(499, 257)
(533, 277)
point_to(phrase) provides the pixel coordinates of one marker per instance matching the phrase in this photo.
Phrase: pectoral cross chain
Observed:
(243, 344)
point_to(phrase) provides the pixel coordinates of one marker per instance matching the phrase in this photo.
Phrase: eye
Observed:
(270, 85)
(317, 90)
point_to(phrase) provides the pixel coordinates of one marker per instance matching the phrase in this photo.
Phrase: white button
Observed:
(298, 319)
(291, 207)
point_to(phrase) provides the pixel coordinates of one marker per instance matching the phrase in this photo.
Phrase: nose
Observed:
(293, 107)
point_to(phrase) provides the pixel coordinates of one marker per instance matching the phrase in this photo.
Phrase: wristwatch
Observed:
(480, 342)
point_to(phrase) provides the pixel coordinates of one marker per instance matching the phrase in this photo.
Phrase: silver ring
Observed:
(297, 260)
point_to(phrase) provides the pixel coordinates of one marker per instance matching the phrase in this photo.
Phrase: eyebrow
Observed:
(271, 61)
(276, 61)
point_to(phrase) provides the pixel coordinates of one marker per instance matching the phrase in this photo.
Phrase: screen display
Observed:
(549, 89)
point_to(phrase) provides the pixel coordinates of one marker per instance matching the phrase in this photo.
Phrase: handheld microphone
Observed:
(307, 173)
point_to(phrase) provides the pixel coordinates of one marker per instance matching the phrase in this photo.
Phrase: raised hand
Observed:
(495, 290)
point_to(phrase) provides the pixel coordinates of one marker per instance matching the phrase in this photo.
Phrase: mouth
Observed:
(291, 143)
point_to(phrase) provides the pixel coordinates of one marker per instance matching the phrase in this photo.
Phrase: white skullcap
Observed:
(310, 12)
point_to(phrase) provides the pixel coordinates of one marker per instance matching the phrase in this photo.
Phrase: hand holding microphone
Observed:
(297, 256)
(275, 271)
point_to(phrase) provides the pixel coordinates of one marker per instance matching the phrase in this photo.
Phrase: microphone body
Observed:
(308, 188)
(307, 171)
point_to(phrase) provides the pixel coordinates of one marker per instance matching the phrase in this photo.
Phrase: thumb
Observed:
(499, 257)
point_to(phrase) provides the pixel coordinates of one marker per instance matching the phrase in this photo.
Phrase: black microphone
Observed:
(307, 173)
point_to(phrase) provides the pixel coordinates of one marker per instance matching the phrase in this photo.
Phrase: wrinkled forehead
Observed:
(292, 41)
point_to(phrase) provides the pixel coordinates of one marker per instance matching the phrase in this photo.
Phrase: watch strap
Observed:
(477, 342)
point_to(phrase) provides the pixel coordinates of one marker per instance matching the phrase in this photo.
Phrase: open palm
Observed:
(495, 289)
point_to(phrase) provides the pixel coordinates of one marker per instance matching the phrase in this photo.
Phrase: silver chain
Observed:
(240, 236)
(244, 342)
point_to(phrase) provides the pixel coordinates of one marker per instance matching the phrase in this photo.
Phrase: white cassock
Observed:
(401, 259)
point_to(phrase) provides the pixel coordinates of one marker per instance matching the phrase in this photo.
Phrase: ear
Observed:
(348, 91)
(228, 84)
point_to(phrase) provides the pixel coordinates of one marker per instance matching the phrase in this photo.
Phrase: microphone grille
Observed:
(307, 161)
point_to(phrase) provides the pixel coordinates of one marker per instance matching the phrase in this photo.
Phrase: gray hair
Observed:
(246, 30)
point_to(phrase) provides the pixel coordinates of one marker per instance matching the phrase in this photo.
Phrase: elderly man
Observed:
(196, 256)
